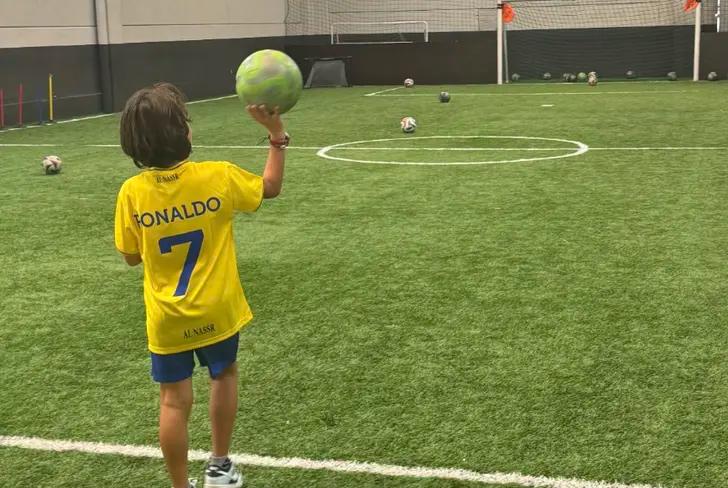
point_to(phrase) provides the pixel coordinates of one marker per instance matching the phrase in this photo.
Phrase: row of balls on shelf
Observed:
(592, 78)
(631, 75)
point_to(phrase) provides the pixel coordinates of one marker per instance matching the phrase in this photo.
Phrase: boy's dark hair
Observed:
(153, 129)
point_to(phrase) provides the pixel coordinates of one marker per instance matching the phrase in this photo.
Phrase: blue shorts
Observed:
(171, 368)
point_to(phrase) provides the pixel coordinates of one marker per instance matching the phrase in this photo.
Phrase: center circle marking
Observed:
(579, 149)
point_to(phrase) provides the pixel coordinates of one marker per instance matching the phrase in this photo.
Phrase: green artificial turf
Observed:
(559, 318)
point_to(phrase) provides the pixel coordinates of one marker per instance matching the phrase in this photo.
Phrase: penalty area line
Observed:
(354, 467)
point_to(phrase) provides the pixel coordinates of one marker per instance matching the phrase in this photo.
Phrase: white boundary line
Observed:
(532, 94)
(205, 100)
(360, 148)
(383, 91)
(99, 116)
(311, 464)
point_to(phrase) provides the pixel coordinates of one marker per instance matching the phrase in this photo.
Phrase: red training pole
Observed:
(20, 104)
(2, 108)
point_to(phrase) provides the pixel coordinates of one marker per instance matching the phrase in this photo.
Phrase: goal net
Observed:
(648, 38)
(396, 32)
(384, 21)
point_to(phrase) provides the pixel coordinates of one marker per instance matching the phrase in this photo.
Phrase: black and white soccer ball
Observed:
(592, 79)
(409, 125)
(712, 76)
(631, 75)
(672, 76)
(409, 83)
(52, 165)
(515, 77)
(444, 97)
(547, 76)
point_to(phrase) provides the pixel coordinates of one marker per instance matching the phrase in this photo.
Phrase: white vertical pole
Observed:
(500, 41)
(698, 27)
(717, 16)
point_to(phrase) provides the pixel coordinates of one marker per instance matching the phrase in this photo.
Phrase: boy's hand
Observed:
(270, 120)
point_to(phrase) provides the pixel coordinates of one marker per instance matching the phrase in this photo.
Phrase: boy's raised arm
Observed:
(273, 173)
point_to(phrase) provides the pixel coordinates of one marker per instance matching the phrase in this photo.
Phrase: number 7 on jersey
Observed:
(195, 239)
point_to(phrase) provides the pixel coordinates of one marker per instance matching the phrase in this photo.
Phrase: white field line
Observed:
(211, 99)
(362, 148)
(98, 116)
(376, 93)
(79, 119)
(325, 465)
(676, 148)
(660, 92)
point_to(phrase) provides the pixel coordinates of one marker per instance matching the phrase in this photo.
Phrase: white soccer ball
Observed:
(409, 83)
(409, 125)
(593, 80)
(52, 165)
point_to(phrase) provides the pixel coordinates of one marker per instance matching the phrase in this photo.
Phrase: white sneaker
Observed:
(226, 475)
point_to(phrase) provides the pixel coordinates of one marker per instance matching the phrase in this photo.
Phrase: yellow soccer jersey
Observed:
(180, 221)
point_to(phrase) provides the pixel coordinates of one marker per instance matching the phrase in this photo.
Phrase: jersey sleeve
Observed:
(126, 232)
(246, 189)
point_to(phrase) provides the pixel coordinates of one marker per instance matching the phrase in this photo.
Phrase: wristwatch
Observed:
(282, 143)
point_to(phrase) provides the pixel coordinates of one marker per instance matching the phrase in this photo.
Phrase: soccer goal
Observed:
(618, 39)
(397, 32)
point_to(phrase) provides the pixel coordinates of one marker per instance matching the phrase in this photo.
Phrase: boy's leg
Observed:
(174, 412)
(223, 409)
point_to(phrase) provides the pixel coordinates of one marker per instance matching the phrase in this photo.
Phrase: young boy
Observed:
(176, 217)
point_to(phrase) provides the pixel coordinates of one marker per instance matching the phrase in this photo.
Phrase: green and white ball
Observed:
(582, 77)
(408, 125)
(269, 78)
(51, 165)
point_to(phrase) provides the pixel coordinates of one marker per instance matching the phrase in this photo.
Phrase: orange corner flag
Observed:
(509, 13)
(691, 5)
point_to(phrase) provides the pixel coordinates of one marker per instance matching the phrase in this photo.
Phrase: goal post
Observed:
(394, 32)
(696, 46)
(500, 46)
(619, 39)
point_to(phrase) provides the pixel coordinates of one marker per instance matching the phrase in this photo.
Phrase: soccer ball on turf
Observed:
(444, 97)
(712, 76)
(52, 165)
(269, 78)
(547, 76)
(515, 77)
(672, 76)
(409, 125)
(593, 80)
(582, 76)
(409, 83)
(572, 77)
(631, 75)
